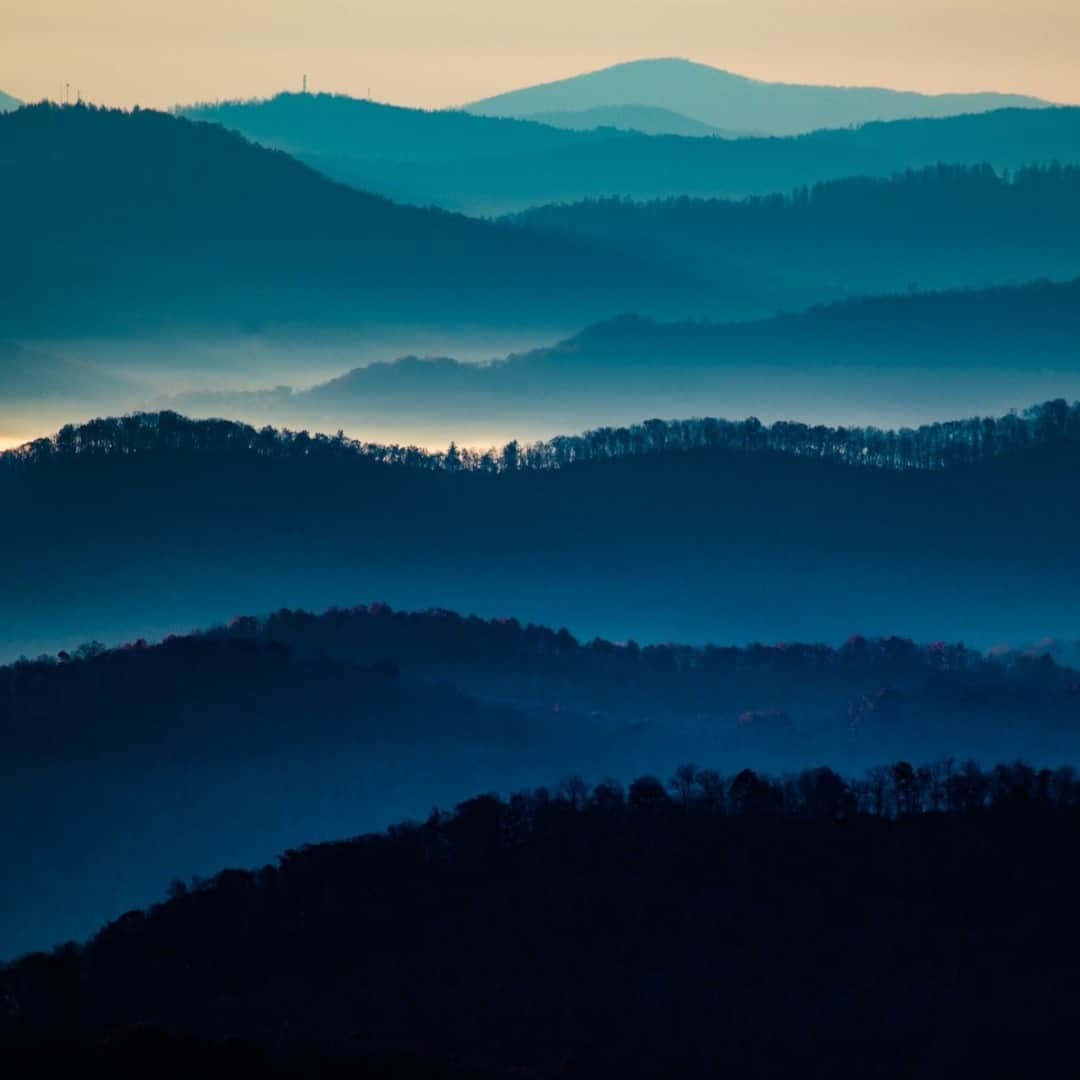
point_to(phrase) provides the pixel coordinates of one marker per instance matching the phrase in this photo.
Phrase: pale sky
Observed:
(443, 52)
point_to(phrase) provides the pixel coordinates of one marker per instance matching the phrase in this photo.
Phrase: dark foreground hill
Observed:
(222, 748)
(894, 361)
(142, 221)
(141, 526)
(492, 166)
(915, 923)
(124, 767)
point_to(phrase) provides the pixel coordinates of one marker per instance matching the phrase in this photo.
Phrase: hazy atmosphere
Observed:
(434, 54)
(539, 539)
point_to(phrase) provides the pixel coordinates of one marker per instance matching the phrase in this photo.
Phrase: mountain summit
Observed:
(735, 102)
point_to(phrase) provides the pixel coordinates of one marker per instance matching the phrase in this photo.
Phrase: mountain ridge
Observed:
(323, 724)
(180, 221)
(646, 119)
(777, 108)
(495, 165)
(900, 359)
(232, 528)
(939, 445)
(456, 944)
(938, 228)
(324, 123)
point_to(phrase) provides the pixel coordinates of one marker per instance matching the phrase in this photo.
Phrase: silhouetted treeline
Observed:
(132, 764)
(697, 545)
(928, 447)
(371, 675)
(919, 921)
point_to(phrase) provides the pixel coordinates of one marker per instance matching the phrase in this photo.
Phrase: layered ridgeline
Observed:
(295, 678)
(735, 102)
(898, 360)
(179, 227)
(931, 446)
(150, 524)
(645, 119)
(650, 930)
(8, 103)
(487, 165)
(336, 125)
(936, 228)
(174, 223)
(139, 763)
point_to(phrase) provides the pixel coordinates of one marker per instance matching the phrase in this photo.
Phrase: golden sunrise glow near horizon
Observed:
(436, 54)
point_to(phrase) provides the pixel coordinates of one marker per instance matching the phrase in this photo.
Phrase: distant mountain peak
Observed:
(732, 101)
(668, 64)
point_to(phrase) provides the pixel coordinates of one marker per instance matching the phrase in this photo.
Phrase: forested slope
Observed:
(706, 542)
(178, 223)
(916, 922)
(942, 227)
